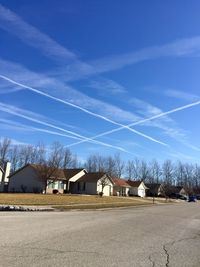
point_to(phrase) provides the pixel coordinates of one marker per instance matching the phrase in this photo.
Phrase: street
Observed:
(160, 235)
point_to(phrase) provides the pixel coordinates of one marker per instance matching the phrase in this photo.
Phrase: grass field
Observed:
(72, 201)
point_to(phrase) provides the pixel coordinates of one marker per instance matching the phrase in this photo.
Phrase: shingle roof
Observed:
(60, 174)
(120, 182)
(69, 173)
(56, 173)
(92, 177)
(153, 186)
(134, 183)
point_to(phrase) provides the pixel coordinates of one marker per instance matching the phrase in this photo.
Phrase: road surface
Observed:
(164, 235)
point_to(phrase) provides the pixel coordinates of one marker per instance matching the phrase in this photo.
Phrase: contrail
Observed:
(83, 109)
(15, 111)
(142, 121)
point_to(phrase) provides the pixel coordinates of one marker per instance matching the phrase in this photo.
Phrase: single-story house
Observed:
(4, 173)
(120, 187)
(93, 183)
(137, 188)
(176, 191)
(32, 178)
(155, 189)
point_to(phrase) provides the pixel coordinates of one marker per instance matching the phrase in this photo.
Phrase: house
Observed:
(120, 187)
(4, 173)
(32, 178)
(155, 189)
(93, 183)
(71, 176)
(176, 191)
(137, 188)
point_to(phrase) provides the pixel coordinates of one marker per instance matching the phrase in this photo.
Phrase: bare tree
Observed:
(103, 182)
(14, 158)
(134, 169)
(154, 172)
(4, 148)
(130, 170)
(179, 173)
(143, 171)
(119, 166)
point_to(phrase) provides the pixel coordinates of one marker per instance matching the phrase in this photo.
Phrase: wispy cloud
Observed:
(181, 95)
(36, 118)
(106, 86)
(85, 110)
(12, 23)
(177, 48)
(13, 125)
(60, 90)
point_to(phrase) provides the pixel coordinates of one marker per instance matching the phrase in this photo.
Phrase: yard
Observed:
(72, 201)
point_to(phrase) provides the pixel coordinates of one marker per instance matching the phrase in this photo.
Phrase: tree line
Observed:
(57, 156)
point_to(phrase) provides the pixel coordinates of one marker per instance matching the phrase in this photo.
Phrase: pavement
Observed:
(159, 235)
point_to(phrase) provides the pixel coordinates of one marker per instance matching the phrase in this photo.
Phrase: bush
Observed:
(100, 194)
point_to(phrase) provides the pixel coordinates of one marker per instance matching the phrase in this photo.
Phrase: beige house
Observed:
(30, 178)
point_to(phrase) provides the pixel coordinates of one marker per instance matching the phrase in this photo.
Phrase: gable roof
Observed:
(59, 174)
(92, 177)
(153, 186)
(69, 173)
(120, 182)
(134, 183)
(177, 189)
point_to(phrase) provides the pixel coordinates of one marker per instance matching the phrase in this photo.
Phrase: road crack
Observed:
(167, 255)
(166, 247)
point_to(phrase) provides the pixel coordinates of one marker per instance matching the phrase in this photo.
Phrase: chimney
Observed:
(6, 171)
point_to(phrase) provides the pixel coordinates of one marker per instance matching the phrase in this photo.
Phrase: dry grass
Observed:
(65, 202)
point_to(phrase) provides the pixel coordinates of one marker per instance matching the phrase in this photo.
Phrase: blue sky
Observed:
(102, 76)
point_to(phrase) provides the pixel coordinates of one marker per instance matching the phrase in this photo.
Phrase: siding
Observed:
(25, 180)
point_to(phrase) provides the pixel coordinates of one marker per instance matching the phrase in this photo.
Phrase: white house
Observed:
(137, 188)
(92, 183)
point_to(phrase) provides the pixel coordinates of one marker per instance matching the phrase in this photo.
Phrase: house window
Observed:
(60, 185)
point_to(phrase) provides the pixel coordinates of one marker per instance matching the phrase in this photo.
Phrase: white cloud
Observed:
(106, 86)
(181, 95)
(12, 23)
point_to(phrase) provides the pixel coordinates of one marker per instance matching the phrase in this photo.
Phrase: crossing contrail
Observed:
(84, 110)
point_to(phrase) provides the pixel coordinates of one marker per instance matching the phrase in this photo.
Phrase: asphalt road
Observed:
(165, 235)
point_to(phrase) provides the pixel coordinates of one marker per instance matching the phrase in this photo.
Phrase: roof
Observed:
(177, 189)
(134, 183)
(69, 173)
(92, 177)
(120, 182)
(153, 186)
(56, 173)
(60, 174)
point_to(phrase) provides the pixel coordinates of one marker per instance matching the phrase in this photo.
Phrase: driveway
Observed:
(164, 235)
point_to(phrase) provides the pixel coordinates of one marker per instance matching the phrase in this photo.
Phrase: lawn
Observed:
(72, 201)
